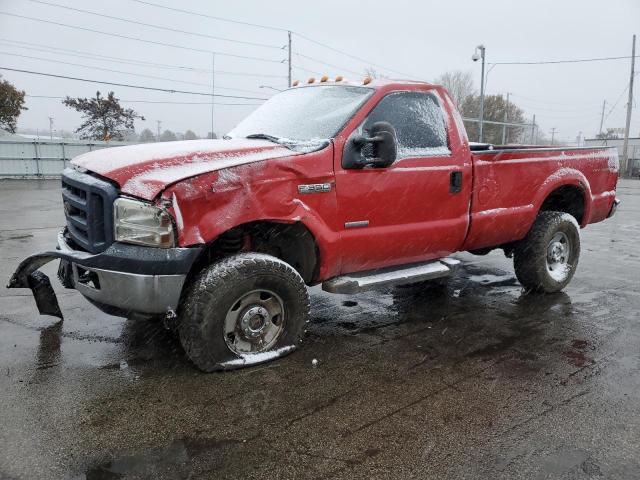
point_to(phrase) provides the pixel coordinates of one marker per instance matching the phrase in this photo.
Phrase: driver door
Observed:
(415, 209)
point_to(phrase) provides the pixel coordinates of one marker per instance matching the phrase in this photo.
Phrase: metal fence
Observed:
(43, 158)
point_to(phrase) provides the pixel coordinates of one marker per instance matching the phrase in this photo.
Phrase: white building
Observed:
(633, 152)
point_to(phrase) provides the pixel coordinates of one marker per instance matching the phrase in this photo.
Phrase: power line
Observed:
(575, 109)
(239, 22)
(298, 67)
(308, 39)
(579, 60)
(126, 73)
(137, 39)
(129, 85)
(545, 101)
(268, 27)
(93, 56)
(327, 64)
(154, 101)
(160, 27)
(616, 102)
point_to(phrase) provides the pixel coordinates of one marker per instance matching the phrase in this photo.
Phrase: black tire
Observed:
(220, 288)
(534, 264)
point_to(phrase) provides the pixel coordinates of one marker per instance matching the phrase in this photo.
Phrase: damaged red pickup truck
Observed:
(349, 185)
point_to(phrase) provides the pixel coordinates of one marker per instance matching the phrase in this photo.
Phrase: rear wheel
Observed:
(243, 310)
(547, 258)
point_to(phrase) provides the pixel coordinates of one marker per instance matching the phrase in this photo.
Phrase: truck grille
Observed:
(88, 207)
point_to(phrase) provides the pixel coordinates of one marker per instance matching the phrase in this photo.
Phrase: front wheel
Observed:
(547, 258)
(243, 310)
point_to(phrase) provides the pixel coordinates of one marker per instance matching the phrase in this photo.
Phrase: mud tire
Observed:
(530, 254)
(217, 288)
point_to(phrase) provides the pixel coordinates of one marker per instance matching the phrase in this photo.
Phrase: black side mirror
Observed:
(377, 150)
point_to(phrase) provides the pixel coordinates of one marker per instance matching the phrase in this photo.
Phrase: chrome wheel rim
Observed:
(558, 252)
(254, 322)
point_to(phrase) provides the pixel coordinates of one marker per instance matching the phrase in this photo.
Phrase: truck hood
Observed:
(145, 170)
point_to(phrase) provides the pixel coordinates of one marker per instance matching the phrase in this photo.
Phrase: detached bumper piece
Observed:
(28, 276)
(122, 279)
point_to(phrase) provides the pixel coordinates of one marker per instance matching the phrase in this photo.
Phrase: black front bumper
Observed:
(125, 277)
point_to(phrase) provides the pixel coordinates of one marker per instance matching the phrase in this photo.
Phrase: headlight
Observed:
(142, 224)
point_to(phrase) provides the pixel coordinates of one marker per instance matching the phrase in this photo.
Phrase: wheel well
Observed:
(290, 242)
(568, 199)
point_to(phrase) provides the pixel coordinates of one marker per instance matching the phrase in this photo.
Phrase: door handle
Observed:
(455, 182)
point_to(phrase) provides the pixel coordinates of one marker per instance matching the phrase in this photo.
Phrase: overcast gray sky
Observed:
(421, 39)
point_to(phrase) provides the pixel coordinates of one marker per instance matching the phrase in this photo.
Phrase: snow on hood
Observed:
(147, 169)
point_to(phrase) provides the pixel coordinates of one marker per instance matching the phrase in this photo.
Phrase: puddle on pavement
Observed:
(171, 461)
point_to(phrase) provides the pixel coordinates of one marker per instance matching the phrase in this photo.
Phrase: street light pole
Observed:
(475, 58)
(289, 57)
(504, 127)
(213, 91)
(625, 145)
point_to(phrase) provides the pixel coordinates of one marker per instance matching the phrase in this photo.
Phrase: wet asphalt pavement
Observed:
(474, 380)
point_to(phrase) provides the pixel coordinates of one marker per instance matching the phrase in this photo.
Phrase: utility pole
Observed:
(506, 116)
(51, 128)
(604, 104)
(625, 146)
(289, 34)
(553, 134)
(533, 128)
(158, 135)
(213, 89)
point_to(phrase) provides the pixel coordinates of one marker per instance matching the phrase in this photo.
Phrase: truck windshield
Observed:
(305, 114)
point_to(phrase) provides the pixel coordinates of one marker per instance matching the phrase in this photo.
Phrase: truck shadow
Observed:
(479, 314)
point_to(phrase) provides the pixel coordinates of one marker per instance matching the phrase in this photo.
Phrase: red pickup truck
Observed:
(348, 185)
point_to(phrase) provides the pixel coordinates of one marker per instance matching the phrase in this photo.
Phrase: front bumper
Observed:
(122, 279)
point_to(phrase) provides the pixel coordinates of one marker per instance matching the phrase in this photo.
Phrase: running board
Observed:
(400, 275)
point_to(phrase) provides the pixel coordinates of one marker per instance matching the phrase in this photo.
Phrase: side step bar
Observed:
(399, 275)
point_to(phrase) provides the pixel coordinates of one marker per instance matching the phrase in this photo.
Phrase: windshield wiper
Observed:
(265, 136)
(295, 145)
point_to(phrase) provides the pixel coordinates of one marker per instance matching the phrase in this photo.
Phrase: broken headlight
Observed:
(141, 223)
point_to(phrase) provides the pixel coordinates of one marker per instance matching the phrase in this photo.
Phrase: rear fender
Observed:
(563, 177)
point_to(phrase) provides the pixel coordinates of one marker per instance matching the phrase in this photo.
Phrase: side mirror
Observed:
(377, 150)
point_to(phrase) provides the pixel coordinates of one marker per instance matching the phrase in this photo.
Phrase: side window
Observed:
(418, 120)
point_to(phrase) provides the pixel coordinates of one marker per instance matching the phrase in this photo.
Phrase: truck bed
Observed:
(511, 183)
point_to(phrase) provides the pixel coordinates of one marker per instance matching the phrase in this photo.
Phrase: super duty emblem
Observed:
(315, 188)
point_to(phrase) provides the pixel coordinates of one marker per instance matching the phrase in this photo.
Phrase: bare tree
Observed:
(190, 135)
(459, 84)
(495, 107)
(146, 136)
(167, 136)
(373, 73)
